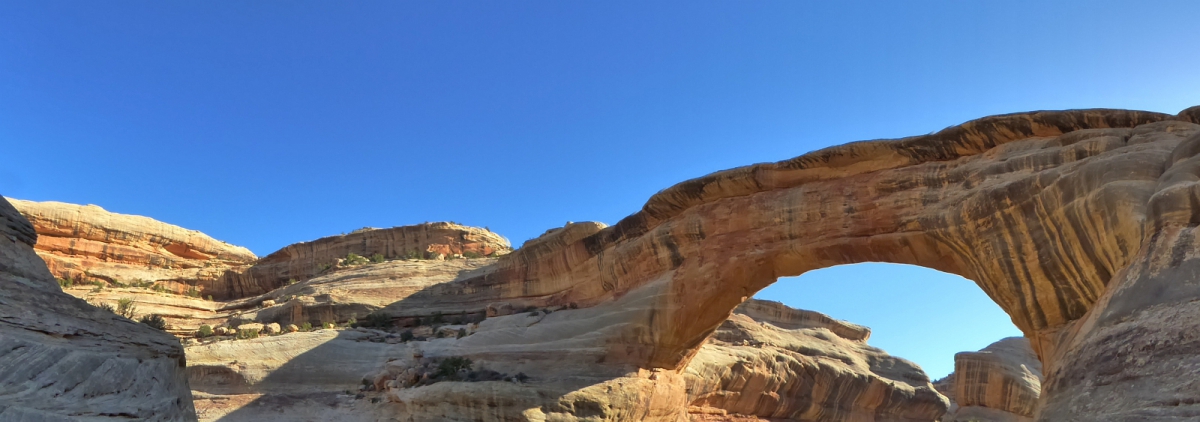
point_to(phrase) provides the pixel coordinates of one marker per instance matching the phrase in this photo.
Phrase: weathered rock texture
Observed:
(751, 370)
(1079, 224)
(755, 369)
(1000, 383)
(305, 260)
(62, 359)
(85, 242)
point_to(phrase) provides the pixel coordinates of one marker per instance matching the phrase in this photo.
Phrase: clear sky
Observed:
(270, 122)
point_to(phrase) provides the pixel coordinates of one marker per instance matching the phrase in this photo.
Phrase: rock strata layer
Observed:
(86, 243)
(62, 359)
(1000, 383)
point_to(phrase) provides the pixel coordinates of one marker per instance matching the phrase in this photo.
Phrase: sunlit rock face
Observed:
(86, 243)
(771, 362)
(1000, 383)
(1079, 224)
(62, 359)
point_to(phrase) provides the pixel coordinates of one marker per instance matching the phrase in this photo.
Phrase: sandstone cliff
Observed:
(1000, 383)
(86, 243)
(62, 359)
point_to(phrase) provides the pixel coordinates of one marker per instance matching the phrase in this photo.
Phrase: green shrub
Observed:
(106, 306)
(376, 319)
(126, 307)
(306, 326)
(65, 282)
(118, 283)
(354, 259)
(377, 258)
(155, 321)
(193, 292)
(205, 331)
(462, 332)
(406, 336)
(415, 254)
(471, 254)
(246, 334)
(437, 318)
(323, 268)
(141, 284)
(291, 281)
(160, 288)
(352, 322)
(210, 299)
(450, 366)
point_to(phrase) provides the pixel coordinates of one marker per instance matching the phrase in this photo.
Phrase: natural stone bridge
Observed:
(1080, 224)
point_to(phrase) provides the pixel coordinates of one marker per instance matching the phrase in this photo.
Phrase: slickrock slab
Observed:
(751, 370)
(62, 359)
(1000, 383)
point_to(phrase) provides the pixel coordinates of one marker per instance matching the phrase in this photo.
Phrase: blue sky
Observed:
(267, 123)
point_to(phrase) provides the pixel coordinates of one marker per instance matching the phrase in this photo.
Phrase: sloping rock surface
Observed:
(62, 359)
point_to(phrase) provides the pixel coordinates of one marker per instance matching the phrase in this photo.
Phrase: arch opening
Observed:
(916, 313)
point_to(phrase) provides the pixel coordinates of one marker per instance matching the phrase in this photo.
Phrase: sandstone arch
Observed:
(1052, 214)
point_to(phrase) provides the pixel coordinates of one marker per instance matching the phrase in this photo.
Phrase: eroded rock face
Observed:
(302, 261)
(1000, 383)
(752, 369)
(85, 242)
(62, 359)
(1079, 224)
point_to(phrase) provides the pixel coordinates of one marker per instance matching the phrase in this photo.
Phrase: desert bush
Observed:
(415, 254)
(105, 306)
(209, 298)
(352, 322)
(193, 292)
(204, 331)
(462, 332)
(354, 259)
(155, 321)
(141, 284)
(376, 319)
(65, 282)
(306, 326)
(406, 336)
(246, 334)
(291, 281)
(377, 258)
(450, 366)
(471, 254)
(126, 307)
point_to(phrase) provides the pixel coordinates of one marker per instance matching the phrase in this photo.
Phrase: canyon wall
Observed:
(86, 243)
(62, 359)
(1079, 224)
